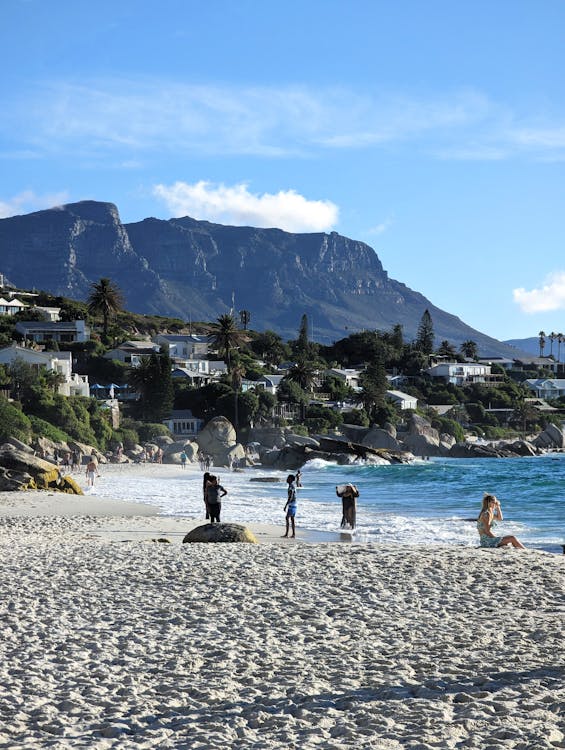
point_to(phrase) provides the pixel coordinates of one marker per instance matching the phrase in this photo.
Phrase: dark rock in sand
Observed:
(220, 532)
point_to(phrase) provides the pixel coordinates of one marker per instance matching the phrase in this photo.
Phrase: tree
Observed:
(541, 342)
(469, 349)
(447, 350)
(270, 347)
(226, 336)
(237, 373)
(552, 336)
(425, 338)
(373, 388)
(105, 299)
(303, 374)
(152, 379)
(560, 340)
(245, 318)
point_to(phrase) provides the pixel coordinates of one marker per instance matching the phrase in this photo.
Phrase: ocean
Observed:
(427, 502)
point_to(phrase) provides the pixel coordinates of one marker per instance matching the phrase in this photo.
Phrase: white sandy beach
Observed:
(110, 640)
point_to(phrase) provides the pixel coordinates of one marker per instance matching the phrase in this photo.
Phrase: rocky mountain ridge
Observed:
(197, 270)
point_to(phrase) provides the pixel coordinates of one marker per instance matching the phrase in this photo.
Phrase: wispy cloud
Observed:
(380, 228)
(29, 201)
(138, 117)
(235, 204)
(550, 296)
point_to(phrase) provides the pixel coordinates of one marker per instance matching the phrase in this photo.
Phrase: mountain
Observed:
(197, 270)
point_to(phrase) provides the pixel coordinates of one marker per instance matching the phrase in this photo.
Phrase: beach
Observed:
(112, 640)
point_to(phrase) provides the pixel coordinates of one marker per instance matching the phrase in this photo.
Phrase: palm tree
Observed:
(105, 299)
(226, 336)
(552, 337)
(541, 342)
(469, 349)
(560, 340)
(302, 373)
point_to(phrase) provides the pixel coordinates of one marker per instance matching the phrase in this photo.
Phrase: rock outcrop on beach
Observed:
(191, 269)
(21, 470)
(218, 439)
(220, 532)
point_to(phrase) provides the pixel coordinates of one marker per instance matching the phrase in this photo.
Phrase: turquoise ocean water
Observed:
(428, 502)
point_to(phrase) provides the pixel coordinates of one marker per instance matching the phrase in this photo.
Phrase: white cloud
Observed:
(235, 204)
(28, 201)
(380, 228)
(550, 296)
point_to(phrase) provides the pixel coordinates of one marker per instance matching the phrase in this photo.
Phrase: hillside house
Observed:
(181, 347)
(348, 375)
(132, 352)
(546, 388)
(402, 400)
(11, 306)
(44, 332)
(182, 423)
(464, 373)
(60, 362)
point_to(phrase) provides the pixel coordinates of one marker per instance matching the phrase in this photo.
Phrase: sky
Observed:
(433, 131)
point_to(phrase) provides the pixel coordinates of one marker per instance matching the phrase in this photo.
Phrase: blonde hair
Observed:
(487, 498)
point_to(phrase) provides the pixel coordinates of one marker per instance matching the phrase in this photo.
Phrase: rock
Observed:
(220, 532)
(379, 438)
(522, 448)
(31, 472)
(19, 445)
(163, 440)
(292, 439)
(551, 438)
(270, 437)
(421, 439)
(218, 439)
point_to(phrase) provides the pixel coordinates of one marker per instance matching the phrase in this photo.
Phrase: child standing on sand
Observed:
(290, 506)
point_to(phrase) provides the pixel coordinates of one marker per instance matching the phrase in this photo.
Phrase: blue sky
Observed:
(434, 131)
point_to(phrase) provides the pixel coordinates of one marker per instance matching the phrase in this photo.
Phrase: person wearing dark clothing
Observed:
(214, 494)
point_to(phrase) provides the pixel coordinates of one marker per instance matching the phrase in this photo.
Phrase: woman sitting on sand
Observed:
(490, 513)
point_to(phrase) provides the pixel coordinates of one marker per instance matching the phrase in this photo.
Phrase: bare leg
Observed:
(511, 540)
(287, 526)
(293, 528)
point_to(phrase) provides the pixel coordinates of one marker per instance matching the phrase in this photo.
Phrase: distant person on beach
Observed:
(491, 512)
(349, 494)
(91, 472)
(183, 459)
(205, 480)
(298, 478)
(214, 494)
(290, 506)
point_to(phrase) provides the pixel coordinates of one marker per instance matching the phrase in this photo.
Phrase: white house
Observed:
(546, 387)
(11, 306)
(402, 400)
(348, 375)
(43, 332)
(464, 373)
(52, 314)
(60, 362)
(269, 383)
(182, 423)
(132, 352)
(183, 346)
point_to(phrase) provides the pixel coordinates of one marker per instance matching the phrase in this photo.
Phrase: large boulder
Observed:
(220, 532)
(218, 439)
(25, 471)
(379, 438)
(19, 445)
(552, 438)
(421, 439)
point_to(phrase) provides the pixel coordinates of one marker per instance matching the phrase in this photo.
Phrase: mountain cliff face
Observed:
(194, 269)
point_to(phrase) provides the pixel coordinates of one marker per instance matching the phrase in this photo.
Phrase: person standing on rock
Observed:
(290, 506)
(214, 494)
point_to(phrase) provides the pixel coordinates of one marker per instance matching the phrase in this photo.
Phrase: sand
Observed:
(110, 640)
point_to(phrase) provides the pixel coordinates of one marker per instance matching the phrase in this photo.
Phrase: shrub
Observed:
(148, 431)
(125, 435)
(13, 423)
(42, 428)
